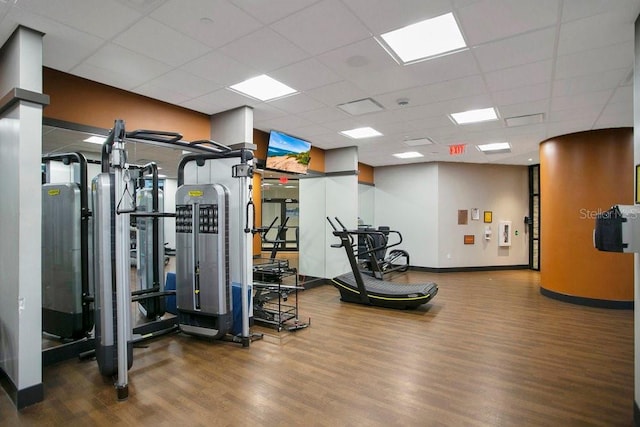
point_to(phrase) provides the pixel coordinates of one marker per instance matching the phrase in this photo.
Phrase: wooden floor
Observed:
(488, 351)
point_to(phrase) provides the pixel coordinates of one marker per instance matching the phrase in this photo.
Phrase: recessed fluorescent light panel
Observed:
(95, 139)
(496, 147)
(474, 116)
(359, 133)
(426, 39)
(408, 155)
(361, 106)
(263, 88)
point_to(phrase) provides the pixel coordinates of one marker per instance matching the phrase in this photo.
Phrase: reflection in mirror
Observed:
(280, 204)
(56, 139)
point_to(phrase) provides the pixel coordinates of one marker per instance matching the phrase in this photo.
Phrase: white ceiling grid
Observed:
(567, 59)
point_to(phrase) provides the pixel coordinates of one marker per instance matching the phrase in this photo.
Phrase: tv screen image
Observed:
(287, 153)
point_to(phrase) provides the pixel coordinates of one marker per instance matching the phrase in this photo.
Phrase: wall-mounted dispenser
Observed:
(487, 232)
(618, 229)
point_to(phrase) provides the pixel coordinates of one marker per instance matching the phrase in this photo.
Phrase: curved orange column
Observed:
(581, 175)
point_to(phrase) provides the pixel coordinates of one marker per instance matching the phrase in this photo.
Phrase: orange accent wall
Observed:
(582, 174)
(317, 159)
(365, 174)
(77, 100)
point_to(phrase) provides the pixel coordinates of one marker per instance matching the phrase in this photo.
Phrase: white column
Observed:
(21, 103)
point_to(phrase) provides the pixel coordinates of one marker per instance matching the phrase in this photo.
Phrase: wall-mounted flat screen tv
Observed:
(287, 153)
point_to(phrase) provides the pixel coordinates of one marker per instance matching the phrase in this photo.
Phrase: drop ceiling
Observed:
(567, 62)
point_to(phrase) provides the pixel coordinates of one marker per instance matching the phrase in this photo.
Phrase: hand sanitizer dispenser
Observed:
(618, 229)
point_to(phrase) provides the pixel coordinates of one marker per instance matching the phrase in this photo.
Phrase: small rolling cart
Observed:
(275, 299)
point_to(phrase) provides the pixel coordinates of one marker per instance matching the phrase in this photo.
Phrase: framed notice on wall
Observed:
(488, 216)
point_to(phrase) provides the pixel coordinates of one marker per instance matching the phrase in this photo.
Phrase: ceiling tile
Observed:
(452, 89)
(522, 94)
(265, 50)
(289, 122)
(594, 32)
(595, 60)
(570, 126)
(324, 26)
(218, 101)
(579, 9)
(623, 95)
(510, 52)
(578, 113)
(212, 22)
(265, 111)
(220, 68)
(305, 75)
(381, 16)
(106, 66)
(324, 115)
(489, 20)
(104, 19)
(63, 47)
(178, 86)
(358, 59)
(272, 10)
(522, 75)
(588, 99)
(441, 69)
(157, 41)
(524, 108)
(297, 103)
(615, 115)
(589, 82)
(337, 93)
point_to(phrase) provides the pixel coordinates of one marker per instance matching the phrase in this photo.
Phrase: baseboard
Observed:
(21, 398)
(313, 282)
(469, 269)
(636, 414)
(589, 302)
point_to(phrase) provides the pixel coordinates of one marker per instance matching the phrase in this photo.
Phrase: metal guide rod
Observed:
(122, 269)
(244, 267)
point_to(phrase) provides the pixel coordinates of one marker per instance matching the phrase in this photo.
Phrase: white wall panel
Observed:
(406, 199)
(503, 190)
(313, 225)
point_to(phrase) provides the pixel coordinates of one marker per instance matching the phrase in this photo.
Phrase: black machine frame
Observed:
(373, 245)
(354, 287)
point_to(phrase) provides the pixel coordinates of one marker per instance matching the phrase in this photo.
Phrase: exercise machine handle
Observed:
(154, 135)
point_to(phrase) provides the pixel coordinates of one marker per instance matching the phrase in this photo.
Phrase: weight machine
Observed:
(67, 284)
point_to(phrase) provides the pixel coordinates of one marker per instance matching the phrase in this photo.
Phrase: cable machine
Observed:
(204, 297)
(212, 247)
(114, 204)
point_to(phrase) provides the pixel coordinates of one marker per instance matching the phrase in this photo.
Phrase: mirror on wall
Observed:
(280, 209)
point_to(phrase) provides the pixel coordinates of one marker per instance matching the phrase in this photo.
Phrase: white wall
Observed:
(636, 257)
(422, 202)
(341, 202)
(170, 188)
(335, 194)
(406, 200)
(313, 240)
(503, 190)
(366, 204)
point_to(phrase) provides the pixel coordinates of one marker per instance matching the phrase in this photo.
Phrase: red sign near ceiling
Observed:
(456, 149)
